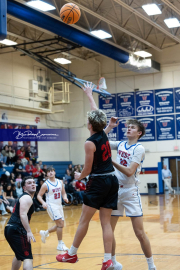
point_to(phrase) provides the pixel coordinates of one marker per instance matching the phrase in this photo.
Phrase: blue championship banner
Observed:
(144, 103)
(112, 135)
(178, 126)
(125, 104)
(177, 99)
(108, 105)
(149, 124)
(165, 127)
(122, 128)
(164, 101)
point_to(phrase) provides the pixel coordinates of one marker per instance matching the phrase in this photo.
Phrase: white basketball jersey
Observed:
(125, 155)
(53, 195)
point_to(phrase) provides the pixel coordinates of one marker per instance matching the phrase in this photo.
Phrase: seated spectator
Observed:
(80, 186)
(45, 170)
(11, 156)
(19, 189)
(29, 167)
(18, 168)
(30, 156)
(40, 164)
(79, 168)
(5, 153)
(38, 173)
(77, 194)
(19, 178)
(14, 192)
(8, 195)
(21, 154)
(5, 201)
(12, 179)
(1, 160)
(2, 208)
(69, 172)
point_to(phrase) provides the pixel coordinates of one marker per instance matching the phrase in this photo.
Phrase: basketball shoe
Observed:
(152, 268)
(67, 258)
(107, 265)
(118, 266)
(62, 247)
(44, 235)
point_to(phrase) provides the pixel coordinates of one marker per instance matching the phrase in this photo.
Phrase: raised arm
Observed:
(25, 204)
(88, 90)
(113, 122)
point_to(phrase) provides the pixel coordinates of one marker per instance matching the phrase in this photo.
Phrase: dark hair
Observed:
(24, 180)
(50, 168)
(138, 124)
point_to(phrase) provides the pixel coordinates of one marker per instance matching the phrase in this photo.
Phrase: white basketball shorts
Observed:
(129, 200)
(55, 212)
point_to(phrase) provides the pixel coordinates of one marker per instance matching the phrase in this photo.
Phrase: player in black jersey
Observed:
(17, 231)
(102, 188)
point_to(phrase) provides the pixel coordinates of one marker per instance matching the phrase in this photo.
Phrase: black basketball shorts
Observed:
(18, 242)
(102, 191)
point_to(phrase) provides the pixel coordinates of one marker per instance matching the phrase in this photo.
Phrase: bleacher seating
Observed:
(9, 169)
(59, 166)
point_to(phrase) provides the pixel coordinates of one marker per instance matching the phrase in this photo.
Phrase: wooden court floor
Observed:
(161, 222)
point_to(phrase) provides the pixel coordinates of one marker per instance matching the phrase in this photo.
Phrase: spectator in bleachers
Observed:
(40, 164)
(14, 192)
(21, 154)
(2, 208)
(29, 167)
(19, 189)
(5, 153)
(69, 172)
(8, 195)
(29, 155)
(5, 201)
(11, 156)
(77, 193)
(38, 172)
(1, 160)
(19, 178)
(12, 179)
(79, 168)
(45, 170)
(80, 186)
(18, 168)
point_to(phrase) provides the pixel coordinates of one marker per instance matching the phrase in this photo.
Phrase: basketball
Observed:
(70, 13)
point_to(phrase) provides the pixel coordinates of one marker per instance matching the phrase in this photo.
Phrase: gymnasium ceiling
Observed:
(131, 28)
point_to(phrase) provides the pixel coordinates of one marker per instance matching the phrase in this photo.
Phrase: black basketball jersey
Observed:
(102, 162)
(15, 217)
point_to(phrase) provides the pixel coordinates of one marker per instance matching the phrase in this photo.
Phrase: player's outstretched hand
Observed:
(30, 237)
(113, 122)
(88, 87)
(77, 175)
(44, 205)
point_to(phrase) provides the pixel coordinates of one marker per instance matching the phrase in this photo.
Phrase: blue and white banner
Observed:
(112, 135)
(164, 101)
(122, 128)
(177, 99)
(126, 104)
(178, 126)
(149, 124)
(108, 105)
(165, 127)
(144, 103)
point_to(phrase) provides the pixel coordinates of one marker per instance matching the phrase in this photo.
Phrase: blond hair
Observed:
(97, 119)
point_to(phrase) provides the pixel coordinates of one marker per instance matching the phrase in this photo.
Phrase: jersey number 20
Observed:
(106, 151)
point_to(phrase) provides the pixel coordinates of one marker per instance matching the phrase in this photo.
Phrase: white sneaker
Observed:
(62, 247)
(152, 268)
(43, 236)
(118, 266)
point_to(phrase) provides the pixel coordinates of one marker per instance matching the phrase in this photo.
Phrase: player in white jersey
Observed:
(130, 155)
(54, 189)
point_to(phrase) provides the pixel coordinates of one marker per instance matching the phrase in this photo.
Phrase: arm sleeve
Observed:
(114, 144)
(139, 154)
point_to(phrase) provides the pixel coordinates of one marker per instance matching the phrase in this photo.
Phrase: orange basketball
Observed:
(70, 13)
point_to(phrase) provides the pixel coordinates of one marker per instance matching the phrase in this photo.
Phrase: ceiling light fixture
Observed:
(143, 54)
(62, 61)
(41, 5)
(151, 9)
(172, 22)
(8, 42)
(101, 34)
